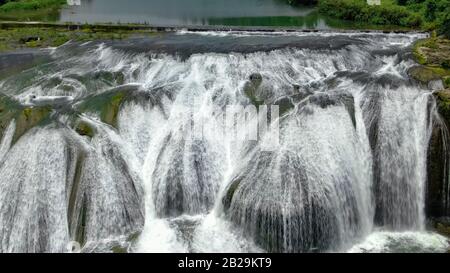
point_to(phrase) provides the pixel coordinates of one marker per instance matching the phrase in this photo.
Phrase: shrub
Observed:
(30, 5)
(444, 29)
(360, 11)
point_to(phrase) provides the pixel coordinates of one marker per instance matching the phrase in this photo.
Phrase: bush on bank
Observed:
(387, 13)
(9, 5)
(424, 14)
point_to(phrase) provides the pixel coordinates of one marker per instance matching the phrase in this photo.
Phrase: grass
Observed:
(31, 10)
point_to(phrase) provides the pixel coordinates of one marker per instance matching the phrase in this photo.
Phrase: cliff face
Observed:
(433, 55)
(438, 203)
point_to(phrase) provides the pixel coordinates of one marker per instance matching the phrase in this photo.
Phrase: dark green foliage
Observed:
(29, 4)
(425, 14)
(444, 28)
(360, 11)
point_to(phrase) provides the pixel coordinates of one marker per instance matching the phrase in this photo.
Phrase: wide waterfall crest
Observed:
(124, 173)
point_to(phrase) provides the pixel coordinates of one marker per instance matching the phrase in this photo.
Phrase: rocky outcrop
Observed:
(26, 117)
(426, 76)
(252, 89)
(442, 226)
(433, 55)
(438, 187)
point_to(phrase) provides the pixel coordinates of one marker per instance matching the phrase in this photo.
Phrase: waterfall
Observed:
(116, 163)
(400, 183)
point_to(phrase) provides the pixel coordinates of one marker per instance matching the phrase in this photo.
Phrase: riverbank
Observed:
(391, 16)
(18, 35)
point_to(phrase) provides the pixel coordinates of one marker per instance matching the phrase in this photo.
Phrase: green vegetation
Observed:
(388, 13)
(434, 56)
(418, 14)
(25, 117)
(30, 5)
(27, 10)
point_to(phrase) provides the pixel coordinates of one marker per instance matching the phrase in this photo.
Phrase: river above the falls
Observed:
(275, 13)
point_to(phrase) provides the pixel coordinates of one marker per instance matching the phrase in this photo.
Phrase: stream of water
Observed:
(111, 164)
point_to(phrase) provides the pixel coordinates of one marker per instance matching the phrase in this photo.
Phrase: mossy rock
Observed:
(447, 82)
(85, 129)
(432, 51)
(123, 248)
(8, 110)
(119, 249)
(107, 104)
(252, 88)
(26, 117)
(443, 229)
(443, 103)
(117, 78)
(423, 74)
(441, 225)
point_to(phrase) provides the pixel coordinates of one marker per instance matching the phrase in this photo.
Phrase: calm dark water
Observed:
(195, 12)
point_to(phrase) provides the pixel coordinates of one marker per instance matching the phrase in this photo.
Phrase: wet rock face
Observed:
(187, 177)
(442, 225)
(108, 198)
(438, 191)
(286, 205)
(436, 203)
(426, 76)
(25, 117)
(252, 89)
(65, 190)
(286, 221)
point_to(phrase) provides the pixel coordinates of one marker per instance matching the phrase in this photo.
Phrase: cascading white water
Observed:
(33, 212)
(401, 183)
(352, 151)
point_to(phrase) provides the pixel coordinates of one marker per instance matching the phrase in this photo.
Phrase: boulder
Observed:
(423, 74)
(25, 117)
(252, 89)
(28, 39)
